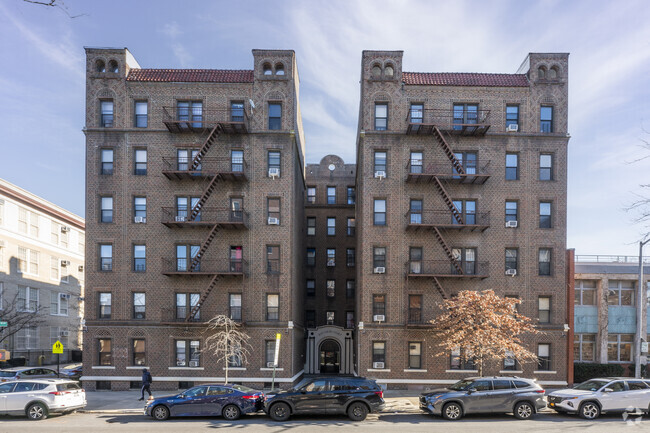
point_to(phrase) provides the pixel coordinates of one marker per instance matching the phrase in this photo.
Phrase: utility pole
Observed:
(639, 314)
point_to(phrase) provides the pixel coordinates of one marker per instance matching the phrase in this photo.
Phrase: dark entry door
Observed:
(330, 357)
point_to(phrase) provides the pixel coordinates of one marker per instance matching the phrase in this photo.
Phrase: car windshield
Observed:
(243, 388)
(7, 373)
(461, 385)
(591, 385)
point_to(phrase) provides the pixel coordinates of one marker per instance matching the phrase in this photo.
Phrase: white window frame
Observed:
(29, 334)
(55, 266)
(27, 299)
(59, 304)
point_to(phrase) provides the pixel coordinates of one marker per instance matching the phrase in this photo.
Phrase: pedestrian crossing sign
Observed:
(57, 347)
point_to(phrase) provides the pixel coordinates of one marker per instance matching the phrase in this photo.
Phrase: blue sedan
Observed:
(228, 401)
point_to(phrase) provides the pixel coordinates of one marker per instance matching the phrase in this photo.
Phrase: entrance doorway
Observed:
(330, 357)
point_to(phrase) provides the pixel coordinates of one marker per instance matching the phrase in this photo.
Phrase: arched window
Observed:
(267, 69)
(541, 73)
(376, 71)
(100, 66)
(389, 71)
(279, 69)
(553, 73)
(112, 66)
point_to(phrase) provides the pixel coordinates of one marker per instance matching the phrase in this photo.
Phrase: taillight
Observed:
(540, 391)
(59, 392)
(380, 394)
(249, 397)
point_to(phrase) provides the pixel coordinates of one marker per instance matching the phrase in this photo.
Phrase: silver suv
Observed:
(521, 397)
(39, 397)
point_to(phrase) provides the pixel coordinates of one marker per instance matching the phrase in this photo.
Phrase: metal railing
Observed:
(447, 119)
(205, 117)
(205, 266)
(446, 268)
(209, 215)
(436, 217)
(609, 259)
(208, 165)
(415, 316)
(180, 313)
(446, 168)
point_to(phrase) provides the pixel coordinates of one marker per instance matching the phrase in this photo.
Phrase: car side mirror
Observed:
(471, 390)
(608, 390)
(181, 396)
(302, 391)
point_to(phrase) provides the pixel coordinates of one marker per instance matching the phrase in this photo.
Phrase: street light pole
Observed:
(639, 314)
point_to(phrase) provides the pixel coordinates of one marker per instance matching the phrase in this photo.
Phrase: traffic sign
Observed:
(57, 347)
(4, 324)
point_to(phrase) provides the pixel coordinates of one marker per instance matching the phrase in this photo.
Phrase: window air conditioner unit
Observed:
(274, 172)
(274, 221)
(80, 268)
(65, 262)
(380, 365)
(65, 296)
(140, 219)
(270, 364)
(65, 229)
(380, 270)
(65, 333)
(511, 272)
(511, 224)
(379, 318)
(512, 128)
(380, 174)
(179, 219)
(194, 363)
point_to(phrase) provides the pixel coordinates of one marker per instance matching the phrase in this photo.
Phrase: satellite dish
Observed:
(250, 101)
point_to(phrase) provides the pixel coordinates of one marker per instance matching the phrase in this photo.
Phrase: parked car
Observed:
(72, 371)
(595, 396)
(17, 373)
(521, 397)
(37, 398)
(354, 396)
(228, 401)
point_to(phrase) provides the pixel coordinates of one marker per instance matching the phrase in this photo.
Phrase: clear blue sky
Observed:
(42, 78)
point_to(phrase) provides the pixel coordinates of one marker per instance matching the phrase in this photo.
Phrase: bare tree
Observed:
(16, 314)
(485, 326)
(227, 342)
(641, 206)
(59, 4)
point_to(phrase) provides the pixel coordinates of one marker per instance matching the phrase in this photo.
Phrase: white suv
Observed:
(38, 397)
(595, 396)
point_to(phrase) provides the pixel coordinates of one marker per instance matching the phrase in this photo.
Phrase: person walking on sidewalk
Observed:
(146, 383)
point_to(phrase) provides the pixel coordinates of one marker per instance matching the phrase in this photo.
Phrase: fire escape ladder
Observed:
(212, 138)
(448, 201)
(445, 247)
(204, 296)
(438, 286)
(447, 149)
(204, 197)
(196, 260)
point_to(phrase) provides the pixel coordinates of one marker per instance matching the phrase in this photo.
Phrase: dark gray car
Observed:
(522, 397)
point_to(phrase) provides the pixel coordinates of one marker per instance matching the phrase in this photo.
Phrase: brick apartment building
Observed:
(461, 184)
(195, 188)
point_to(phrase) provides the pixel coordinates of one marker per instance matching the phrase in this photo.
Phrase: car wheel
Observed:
(280, 412)
(589, 410)
(357, 411)
(452, 411)
(160, 413)
(523, 410)
(231, 412)
(36, 412)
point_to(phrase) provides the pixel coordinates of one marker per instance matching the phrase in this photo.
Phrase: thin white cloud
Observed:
(182, 54)
(172, 30)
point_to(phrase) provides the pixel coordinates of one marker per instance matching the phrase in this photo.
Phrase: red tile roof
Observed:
(191, 75)
(465, 79)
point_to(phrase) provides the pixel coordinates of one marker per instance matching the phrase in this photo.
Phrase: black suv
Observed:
(355, 396)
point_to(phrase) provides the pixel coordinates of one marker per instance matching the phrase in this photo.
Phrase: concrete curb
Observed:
(122, 411)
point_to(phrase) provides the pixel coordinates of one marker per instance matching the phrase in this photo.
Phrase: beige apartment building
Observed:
(41, 271)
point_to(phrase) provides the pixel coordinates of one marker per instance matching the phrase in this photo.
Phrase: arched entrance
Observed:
(329, 357)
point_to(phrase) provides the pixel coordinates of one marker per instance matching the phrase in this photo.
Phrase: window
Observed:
(544, 261)
(105, 305)
(65, 275)
(183, 263)
(185, 159)
(275, 116)
(27, 257)
(234, 303)
(105, 351)
(352, 195)
(468, 160)
(350, 289)
(544, 309)
(187, 111)
(272, 259)
(379, 352)
(380, 163)
(185, 303)
(351, 227)
(54, 268)
(331, 195)
(237, 161)
(546, 119)
(183, 210)
(331, 226)
(416, 113)
(107, 114)
(544, 357)
(236, 258)
(274, 160)
(310, 318)
(107, 161)
(26, 338)
(350, 254)
(621, 293)
(234, 360)
(273, 210)
(141, 114)
(415, 260)
(511, 211)
(379, 306)
(545, 221)
(140, 162)
(139, 306)
(59, 304)
(311, 194)
(509, 363)
(105, 257)
(272, 307)
(182, 358)
(461, 359)
(139, 258)
(106, 210)
(33, 224)
(22, 259)
(57, 333)
(585, 292)
(330, 286)
(311, 226)
(381, 116)
(512, 258)
(349, 320)
(512, 115)
(466, 257)
(415, 309)
(545, 166)
(311, 287)
(512, 166)
(465, 114)
(415, 212)
(380, 212)
(139, 352)
(619, 347)
(1, 292)
(140, 209)
(584, 347)
(415, 355)
(22, 220)
(467, 211)
(311, 256)
(270, 352)
(331, 257)
(236, 111)
(27, 300)
(415, 164)
(379, 257)
(268, 70)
